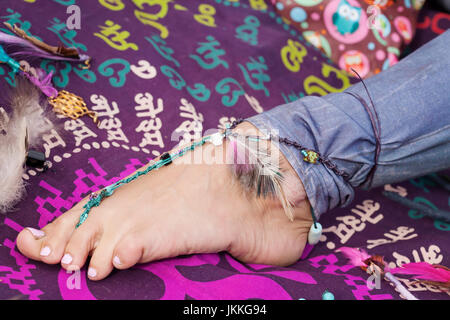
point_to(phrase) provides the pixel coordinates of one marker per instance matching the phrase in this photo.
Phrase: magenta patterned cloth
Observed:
(169, 70)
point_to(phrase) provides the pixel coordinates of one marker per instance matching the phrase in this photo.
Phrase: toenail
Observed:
(92, 272)
(45, 251)
(117, 261)
(36, 233)
(66, 259)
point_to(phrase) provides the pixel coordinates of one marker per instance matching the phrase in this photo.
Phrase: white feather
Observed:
(27, 118)
(12, 155)
(258, 170)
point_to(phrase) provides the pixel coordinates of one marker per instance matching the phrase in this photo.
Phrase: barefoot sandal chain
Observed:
(167, 158)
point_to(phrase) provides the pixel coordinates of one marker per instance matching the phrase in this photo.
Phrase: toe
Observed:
(83, 240)
(101, 265)
(29, 242)
(127, 253)
(47, 245)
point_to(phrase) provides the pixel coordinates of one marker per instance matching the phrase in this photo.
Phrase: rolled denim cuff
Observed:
(412, 104)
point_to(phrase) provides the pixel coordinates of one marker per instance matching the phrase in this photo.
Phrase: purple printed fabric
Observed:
(165, 71)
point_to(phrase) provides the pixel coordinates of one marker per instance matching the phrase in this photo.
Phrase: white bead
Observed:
(217, 139)
(314, 234)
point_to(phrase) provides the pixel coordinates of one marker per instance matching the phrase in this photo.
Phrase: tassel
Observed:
(427, 273)
(254, 168)
(374, 265)
(32, 47)
(64, 102)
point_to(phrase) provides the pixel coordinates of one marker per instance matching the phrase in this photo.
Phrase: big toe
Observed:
(29, 242)
(47, 245)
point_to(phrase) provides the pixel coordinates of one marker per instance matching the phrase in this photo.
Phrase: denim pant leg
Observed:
(412, 100)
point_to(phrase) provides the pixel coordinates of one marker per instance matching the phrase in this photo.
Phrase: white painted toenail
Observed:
(66, 259)
(45, 251)
(92, 272)
(36, 233)
(117, 261)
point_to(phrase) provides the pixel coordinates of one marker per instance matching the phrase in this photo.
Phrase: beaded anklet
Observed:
(308, 155)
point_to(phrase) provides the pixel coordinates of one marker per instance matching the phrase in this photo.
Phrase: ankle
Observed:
(292, 185)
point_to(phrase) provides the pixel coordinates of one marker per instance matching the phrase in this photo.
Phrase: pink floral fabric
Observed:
(365, 35)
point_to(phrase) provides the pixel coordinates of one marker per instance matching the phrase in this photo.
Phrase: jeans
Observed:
(412, 100)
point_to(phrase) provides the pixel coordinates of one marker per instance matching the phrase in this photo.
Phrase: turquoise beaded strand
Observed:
(165, 159)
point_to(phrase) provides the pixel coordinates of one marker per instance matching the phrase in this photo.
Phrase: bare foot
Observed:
(178, 209)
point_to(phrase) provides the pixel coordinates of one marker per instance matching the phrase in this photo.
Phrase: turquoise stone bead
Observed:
(109, 190)
(327, 295)
(314, 234)
(14, 64)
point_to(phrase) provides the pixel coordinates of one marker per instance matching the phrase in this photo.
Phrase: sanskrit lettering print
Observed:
(163, 72)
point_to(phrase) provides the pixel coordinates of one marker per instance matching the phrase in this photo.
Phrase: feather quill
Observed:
(25, 126)
(433, 274)
(254, 167)
(31, 47)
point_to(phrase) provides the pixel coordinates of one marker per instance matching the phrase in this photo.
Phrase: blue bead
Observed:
(314, 234)
(8, 60)
(327, 295)
(109, 190)
(3, 55)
